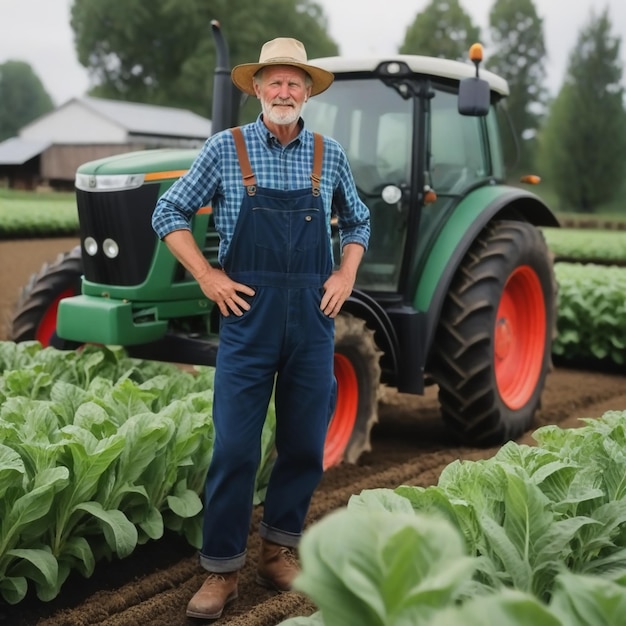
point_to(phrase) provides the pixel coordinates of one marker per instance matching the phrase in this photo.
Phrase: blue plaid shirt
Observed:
(215, 179)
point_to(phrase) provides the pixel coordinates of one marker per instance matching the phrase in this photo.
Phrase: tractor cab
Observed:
(412, 154)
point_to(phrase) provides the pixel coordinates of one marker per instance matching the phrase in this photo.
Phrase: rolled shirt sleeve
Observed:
(353, 215)
(194, 190)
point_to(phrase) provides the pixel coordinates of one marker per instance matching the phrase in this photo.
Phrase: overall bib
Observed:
(285, 343)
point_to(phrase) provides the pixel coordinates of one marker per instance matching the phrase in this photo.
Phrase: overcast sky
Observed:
(38, 32)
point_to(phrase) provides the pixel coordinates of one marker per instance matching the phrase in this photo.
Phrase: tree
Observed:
(518, 53)
(442, 29)
(162, 52)
(584, 140)
(23, 97)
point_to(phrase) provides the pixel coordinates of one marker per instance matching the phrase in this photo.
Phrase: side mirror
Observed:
(474, 97)
(474, 94)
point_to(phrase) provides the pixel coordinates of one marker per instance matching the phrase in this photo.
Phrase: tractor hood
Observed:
(141, 162)
(132, 169)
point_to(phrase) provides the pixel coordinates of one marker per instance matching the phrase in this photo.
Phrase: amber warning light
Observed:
(530, 179)
(476, 53)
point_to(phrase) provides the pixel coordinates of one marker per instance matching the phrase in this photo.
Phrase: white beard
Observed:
(280, 115)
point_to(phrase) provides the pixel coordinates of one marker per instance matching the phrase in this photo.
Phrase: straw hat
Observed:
(281, 51)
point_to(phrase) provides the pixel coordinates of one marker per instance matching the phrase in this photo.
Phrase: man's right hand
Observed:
(226, 293)
(215, 284)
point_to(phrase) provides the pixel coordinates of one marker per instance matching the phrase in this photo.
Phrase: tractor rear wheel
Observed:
(492, 351)
(357, 371)
(35, 314)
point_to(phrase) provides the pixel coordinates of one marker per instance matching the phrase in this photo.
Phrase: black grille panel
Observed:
(211, 243)
(126, 217)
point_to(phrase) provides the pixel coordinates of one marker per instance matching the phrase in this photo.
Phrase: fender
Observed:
(469, 217)
(376, 318)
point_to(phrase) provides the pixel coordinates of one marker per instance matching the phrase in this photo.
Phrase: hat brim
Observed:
(242, 75)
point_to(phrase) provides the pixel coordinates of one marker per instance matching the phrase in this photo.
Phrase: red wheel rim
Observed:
(344, 417)
(519, 337)
(48, 323)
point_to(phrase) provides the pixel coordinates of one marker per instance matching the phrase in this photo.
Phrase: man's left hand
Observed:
(336, 291)
(339, 284)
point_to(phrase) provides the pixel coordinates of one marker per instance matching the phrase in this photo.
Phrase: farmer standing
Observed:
(271, 185)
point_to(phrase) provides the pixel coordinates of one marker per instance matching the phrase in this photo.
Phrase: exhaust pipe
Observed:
(222, 114)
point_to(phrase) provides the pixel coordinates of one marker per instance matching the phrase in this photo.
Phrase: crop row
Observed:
(27, 218)
(534, 535)
(591, 318)
(99, 453)
(589, 246)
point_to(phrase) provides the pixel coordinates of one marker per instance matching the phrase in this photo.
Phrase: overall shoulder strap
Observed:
(249, 179)
(318, 157)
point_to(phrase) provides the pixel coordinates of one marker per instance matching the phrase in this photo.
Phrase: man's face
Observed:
(282, 91)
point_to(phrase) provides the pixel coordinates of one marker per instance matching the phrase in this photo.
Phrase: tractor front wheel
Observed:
(357, 371)
(492, 351)
(35, 314)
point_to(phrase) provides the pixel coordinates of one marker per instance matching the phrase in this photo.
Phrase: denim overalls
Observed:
(281, 249)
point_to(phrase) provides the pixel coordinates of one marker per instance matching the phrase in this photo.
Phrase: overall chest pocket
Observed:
(287, 231)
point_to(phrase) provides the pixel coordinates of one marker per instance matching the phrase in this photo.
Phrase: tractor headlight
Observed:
(105, 182)
(110, 248)
(91, 246)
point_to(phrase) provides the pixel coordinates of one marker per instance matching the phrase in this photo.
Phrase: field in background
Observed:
(12, 197)
(25, 214)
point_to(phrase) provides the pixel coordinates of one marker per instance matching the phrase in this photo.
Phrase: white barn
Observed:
(50, 149)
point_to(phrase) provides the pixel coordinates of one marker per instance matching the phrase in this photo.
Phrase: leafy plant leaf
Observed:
(184, 502)
(380, 567)
(38, 565)
(13, 588)
(120, 533)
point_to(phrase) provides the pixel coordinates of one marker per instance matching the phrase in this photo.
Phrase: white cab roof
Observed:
(432, 66)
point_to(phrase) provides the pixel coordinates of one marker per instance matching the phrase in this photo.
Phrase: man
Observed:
(270, 184)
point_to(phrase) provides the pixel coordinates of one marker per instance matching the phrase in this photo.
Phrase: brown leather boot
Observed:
(278, 566)
(216, 592)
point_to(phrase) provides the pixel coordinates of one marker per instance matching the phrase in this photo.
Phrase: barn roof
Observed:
(17, 151)
(138, 120)
(150, 119)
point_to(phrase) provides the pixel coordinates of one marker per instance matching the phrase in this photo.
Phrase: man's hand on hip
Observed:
(226, 293)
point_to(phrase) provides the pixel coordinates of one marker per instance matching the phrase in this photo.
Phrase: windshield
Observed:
(374, 124)
(457, 159)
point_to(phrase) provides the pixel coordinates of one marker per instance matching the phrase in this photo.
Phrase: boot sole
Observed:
(268, 584)
(231, 598)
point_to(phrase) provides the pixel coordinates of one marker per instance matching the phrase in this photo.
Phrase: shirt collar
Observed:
(271, 140)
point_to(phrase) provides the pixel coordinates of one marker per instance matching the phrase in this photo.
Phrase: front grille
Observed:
(210, 250)
(211, 246)
(126, 217)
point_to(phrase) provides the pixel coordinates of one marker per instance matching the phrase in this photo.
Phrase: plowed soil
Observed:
(410, 446)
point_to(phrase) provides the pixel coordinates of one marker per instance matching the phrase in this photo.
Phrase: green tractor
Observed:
(457, 288)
